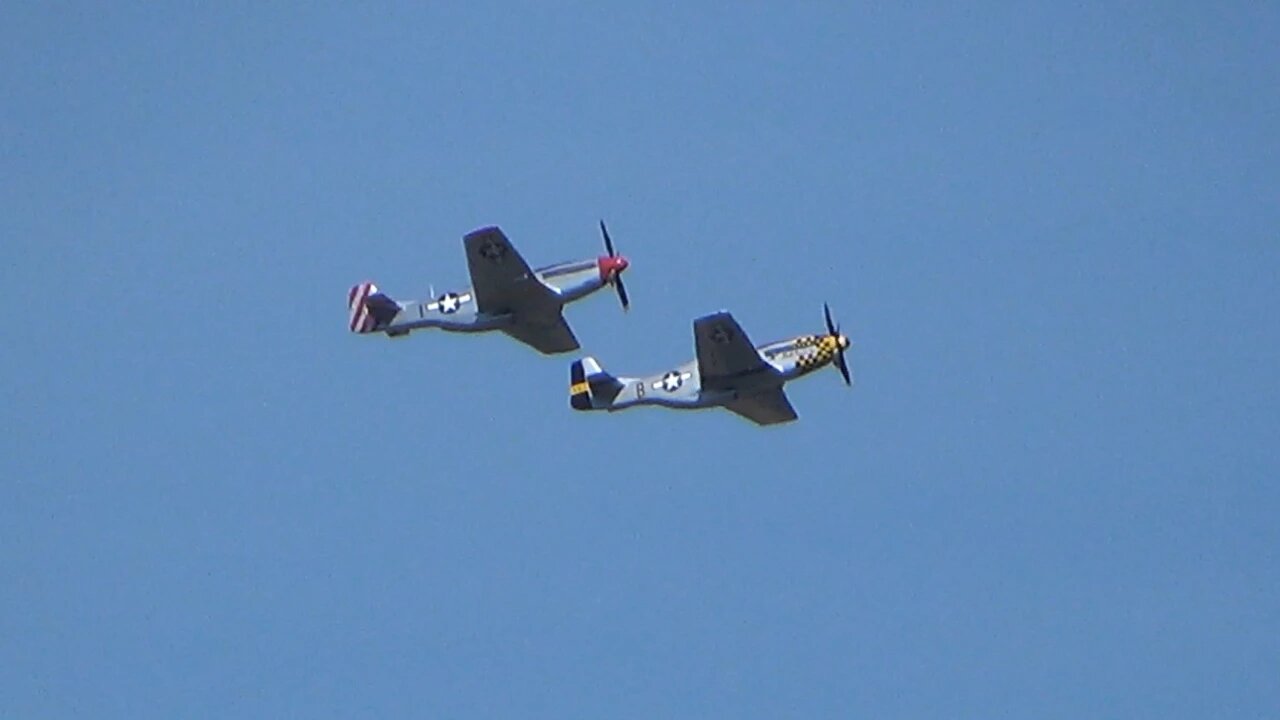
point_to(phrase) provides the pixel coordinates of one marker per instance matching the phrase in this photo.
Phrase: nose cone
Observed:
(843, 341)
(611, 266)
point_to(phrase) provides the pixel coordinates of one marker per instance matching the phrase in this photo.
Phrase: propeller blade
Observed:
(622, 291)
(844, 368)
(608, 243)
(834, 331)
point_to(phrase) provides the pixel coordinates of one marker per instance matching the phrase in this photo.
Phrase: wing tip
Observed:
(483, 231)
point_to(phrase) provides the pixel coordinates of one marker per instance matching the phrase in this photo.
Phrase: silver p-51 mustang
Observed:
(729, 372)
(505, 294)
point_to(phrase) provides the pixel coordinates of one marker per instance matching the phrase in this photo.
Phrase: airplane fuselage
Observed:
(682, 388)
(456, 311)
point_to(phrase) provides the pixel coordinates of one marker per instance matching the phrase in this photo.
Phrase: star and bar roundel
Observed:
(493, 251)
(672, 381)
(449, 303)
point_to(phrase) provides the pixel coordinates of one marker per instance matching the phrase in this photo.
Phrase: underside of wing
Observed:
(500, 278)
(549, 337)
(724, 350)
(767, 407)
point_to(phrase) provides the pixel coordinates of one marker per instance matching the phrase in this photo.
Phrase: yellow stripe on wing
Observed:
(581, 388)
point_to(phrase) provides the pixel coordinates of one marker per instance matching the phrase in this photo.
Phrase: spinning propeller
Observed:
(614, 264)
(842, 343)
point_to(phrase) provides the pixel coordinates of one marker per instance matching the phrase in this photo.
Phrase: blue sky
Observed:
(1050, 230)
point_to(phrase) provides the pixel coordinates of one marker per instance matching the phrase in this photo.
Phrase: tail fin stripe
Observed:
(360, 320)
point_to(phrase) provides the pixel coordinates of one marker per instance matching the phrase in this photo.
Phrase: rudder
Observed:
(368, 309)
(590, 387)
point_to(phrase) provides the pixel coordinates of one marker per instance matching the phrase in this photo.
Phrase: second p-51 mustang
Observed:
(505, 294)
(729, 372)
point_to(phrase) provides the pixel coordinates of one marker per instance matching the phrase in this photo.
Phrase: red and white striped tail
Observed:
(360, 319)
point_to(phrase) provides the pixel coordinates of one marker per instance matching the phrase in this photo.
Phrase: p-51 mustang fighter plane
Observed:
(729, 372)
(504, 295)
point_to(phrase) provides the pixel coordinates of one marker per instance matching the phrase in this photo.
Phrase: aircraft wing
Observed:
(724, 351)
(500, 278)
(548, 337)
(766, 407)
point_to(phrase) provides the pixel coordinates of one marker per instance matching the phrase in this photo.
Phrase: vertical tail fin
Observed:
(579, 390)
(590, 387)
(368, 309)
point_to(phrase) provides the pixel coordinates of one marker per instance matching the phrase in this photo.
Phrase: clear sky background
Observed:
(1050, 230)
